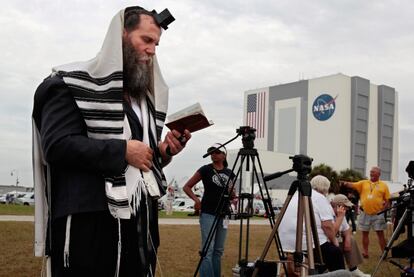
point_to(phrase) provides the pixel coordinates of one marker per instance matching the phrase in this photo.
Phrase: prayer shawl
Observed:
(97, 87)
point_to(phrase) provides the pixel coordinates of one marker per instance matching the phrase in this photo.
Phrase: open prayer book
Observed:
(191, 118)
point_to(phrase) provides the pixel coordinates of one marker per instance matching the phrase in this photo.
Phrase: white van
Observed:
(183, 205)
(27, 199)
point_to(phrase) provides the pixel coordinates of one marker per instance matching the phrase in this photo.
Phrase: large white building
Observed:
(342, 121)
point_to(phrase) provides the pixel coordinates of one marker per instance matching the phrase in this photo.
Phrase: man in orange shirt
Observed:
(374, 195)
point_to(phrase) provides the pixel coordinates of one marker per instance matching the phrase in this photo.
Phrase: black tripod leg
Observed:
(219, 212)
(268, 208)
(207, 243)
(266, 201)
(241, 207)
(394, 236)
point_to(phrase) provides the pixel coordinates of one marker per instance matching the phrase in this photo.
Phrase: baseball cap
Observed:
(341, 199)
(217, 145)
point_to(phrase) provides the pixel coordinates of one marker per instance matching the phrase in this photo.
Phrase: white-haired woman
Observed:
(324, 219)
(325, 224)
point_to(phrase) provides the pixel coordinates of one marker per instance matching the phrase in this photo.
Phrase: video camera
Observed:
(405, 206)
(248, 135)
(302, 164)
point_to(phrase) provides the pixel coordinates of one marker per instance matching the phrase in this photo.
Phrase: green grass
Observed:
(161, 214)
(12, 209)
(189, 215)
(178, 253)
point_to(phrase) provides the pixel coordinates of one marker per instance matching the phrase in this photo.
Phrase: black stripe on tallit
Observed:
(119, 181)
(156, 169)
(111, 93)
(83, 75)
(117, 203)
(116, 181)
(160, 115)
(156, 115)
(102, 115)
(159, 130)
(95, 99)
(105, 130)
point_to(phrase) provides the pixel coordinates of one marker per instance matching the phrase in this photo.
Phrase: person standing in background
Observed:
(374, 196)
(170, 200)
(214, 177)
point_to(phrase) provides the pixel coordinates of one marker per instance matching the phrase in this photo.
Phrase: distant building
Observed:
(342, 121)
(7, 189)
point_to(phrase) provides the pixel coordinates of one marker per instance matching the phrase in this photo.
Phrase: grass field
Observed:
(11, 209)
(178, 254)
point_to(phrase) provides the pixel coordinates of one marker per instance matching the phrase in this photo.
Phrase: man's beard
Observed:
(136, 74)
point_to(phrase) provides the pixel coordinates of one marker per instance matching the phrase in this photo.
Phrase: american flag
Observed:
(256, 108)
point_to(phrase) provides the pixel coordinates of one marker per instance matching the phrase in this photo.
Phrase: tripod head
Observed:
(248, 135)
(302, 165)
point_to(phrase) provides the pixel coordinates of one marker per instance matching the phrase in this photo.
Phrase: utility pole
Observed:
(15, 172)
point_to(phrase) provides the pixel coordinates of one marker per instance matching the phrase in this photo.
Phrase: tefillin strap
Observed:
(163, 18)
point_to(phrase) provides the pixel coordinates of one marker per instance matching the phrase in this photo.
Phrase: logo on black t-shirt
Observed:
(220, 183)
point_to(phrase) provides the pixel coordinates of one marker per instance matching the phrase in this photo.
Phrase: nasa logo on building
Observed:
(323, 107)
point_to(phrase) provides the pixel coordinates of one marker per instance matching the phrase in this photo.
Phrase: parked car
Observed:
(17, 196)
(161, 203)
(258, 207)
(183, 205)
(277, 203)
(10, 197)
(3, 199)
(276, 210)
(26, 199)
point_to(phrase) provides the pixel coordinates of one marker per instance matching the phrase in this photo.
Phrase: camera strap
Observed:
(223, 184)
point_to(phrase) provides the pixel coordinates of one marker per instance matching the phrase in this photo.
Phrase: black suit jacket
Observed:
(77, 163)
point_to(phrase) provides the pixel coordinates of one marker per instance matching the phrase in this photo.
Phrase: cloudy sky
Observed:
(212, 53)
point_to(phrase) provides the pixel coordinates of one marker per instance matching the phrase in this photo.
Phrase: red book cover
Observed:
(191, 118)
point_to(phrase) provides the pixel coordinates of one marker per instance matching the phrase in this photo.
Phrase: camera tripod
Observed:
(405, 249)
(248, 154)
(302, 165)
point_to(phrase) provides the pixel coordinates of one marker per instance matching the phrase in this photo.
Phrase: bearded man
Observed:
(98, 154)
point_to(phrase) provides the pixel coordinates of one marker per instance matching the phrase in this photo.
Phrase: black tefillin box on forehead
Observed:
(163, 18)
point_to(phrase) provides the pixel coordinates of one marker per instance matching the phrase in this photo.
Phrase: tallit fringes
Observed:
(135, 197)
(118, 261)
(67, 242)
